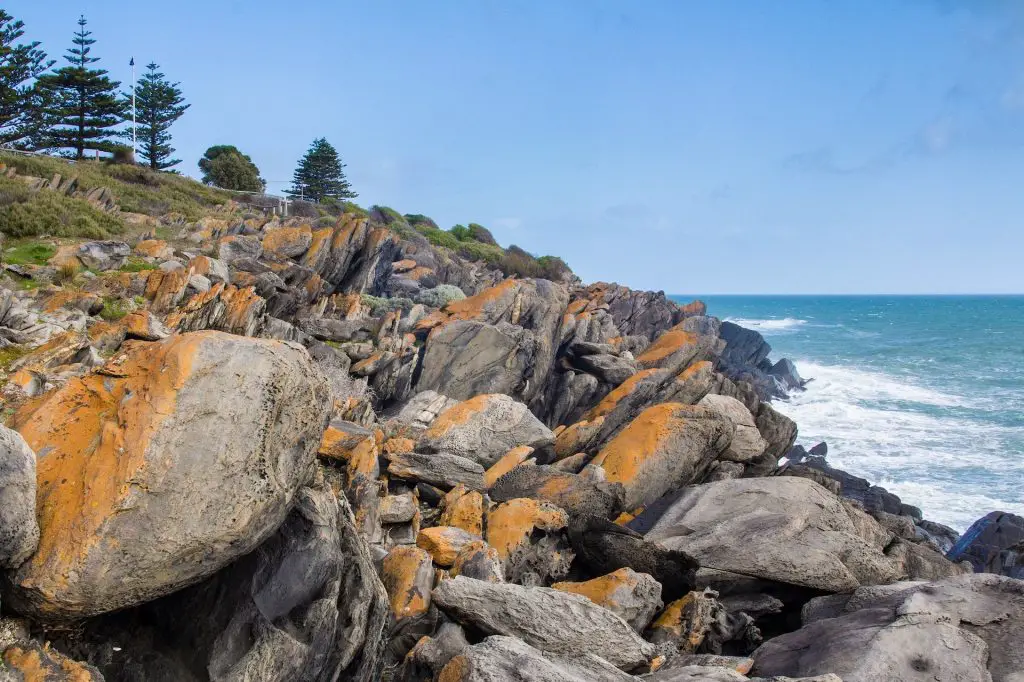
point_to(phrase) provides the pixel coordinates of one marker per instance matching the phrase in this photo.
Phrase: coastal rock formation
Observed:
(145, 488)
(19, 531)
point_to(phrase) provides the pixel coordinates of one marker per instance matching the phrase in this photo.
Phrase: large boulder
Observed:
(305, 605)
(785, 529)
(105, 255)
(550, 620)
(633, 597)
(665, 447)
(574, 493)
(747, 442)
(963, 629)
(164, 466)
(19, 531)
(485, 428)
(984, 544)
(501, 340)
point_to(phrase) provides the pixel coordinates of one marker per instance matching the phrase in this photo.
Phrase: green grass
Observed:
(55, 214)
(115, 308)
(9, 354)
(137, 264)
(136, 189)
(28, 253)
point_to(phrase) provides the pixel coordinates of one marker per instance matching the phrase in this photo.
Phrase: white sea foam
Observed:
(913, 440)
(768, 326)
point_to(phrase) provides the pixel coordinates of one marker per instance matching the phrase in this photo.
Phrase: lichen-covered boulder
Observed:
(665, 447)
(288, 242)
(528, 536)
(19, 531)
(29, 661)
(507, 658)
(573, 493)
(485, 428)
(168, 463)
(408, 576)
(480, 561)
(444, 543)
(633, 597)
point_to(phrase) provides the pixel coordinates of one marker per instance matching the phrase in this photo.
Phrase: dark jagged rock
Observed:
(602, 547)
(986, 542)
(575, 494)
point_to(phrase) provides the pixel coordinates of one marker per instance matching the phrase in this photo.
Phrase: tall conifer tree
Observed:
(159, 104)
(20, 98)
(84, 106)
(320, 174)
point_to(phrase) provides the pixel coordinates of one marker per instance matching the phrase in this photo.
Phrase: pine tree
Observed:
(158, 104)
(320, 174)
(20, 99)
(225, 167)
(85, 105)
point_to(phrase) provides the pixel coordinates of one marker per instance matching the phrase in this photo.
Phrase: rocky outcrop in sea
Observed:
(339, 452)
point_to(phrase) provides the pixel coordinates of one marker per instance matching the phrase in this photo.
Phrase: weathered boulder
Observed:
(444, 543)
(571, 492)
(665, 447)
(236, 247)
(105, 255)
(528, 537)
(518, 456)
(480, 561)
(441, 469)
(554, 622)
(288, 242)
(305, 605)
(426, 660)
(463, 508)
(747, 442)
(750, 526)
(507, 659)
(171, 461)
(19, 531)
(967, 628)
(30, 661)
(408, 576)
(777, 429)
(603, 547)
(699, 622)
(633, 597)
(422, 409)
(485, 428)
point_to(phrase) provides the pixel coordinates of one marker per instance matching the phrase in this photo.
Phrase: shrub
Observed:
(387, 214)
(326, 221)
(115, 308)
(57, 214)
(123, 154)
(460, 232)
(352, 207)
(379, 306)
(66, 272)
(479, 233)
(440, 296)
(476, 251)
(417, 219)
(29, 253)
(137, 264)
(553, 268)
(438, 237)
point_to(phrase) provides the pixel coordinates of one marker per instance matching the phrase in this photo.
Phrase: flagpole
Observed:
(135, 149)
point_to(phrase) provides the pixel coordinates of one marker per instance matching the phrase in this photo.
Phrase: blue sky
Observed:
(723, 146)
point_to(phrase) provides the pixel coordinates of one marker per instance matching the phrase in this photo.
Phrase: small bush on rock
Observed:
(440, 296)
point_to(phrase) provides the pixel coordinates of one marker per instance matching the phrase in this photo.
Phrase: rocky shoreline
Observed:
(340, 452)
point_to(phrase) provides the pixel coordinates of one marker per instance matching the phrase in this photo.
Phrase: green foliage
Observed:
(159, 104)
(438, 237)
(29, 253)
(326, 221)
(137, 264)
(518, 263)
(481, 234)
(352, 207)
(379, 306)
(476, 251)
(553, 267)
(9, 354)
(82, 104)
(225, 167)
(460, 232)
(136, 189)
(390, 215)
(20, 64)
(59, 215)
(115, 308)
(440, 296)
(417, 219)
(320, 174)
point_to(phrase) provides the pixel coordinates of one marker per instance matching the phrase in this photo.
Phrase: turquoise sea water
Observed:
(923, 395)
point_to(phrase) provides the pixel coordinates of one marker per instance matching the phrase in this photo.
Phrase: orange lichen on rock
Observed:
(463, 509)
(456, 670)
(43, 664)
(154, 248)
(694, 369)
(624, 456)
(607, 590)
(419, 273)
(473, 306)
(165, 289)
(346, 444)
(614, 396)
(444, 543)
(319, 240)
(694, 308)
(92, 438)
(201, 265)
(511, 523)
(480, 561)
(71, 298)
(459, 413)
(397, 446)
(686, 621)
(288, 241)
(574, 438)
(408, 575)
(668, 343)
(513, 458)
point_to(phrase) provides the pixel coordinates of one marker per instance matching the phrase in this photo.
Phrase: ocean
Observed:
(923, 395)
